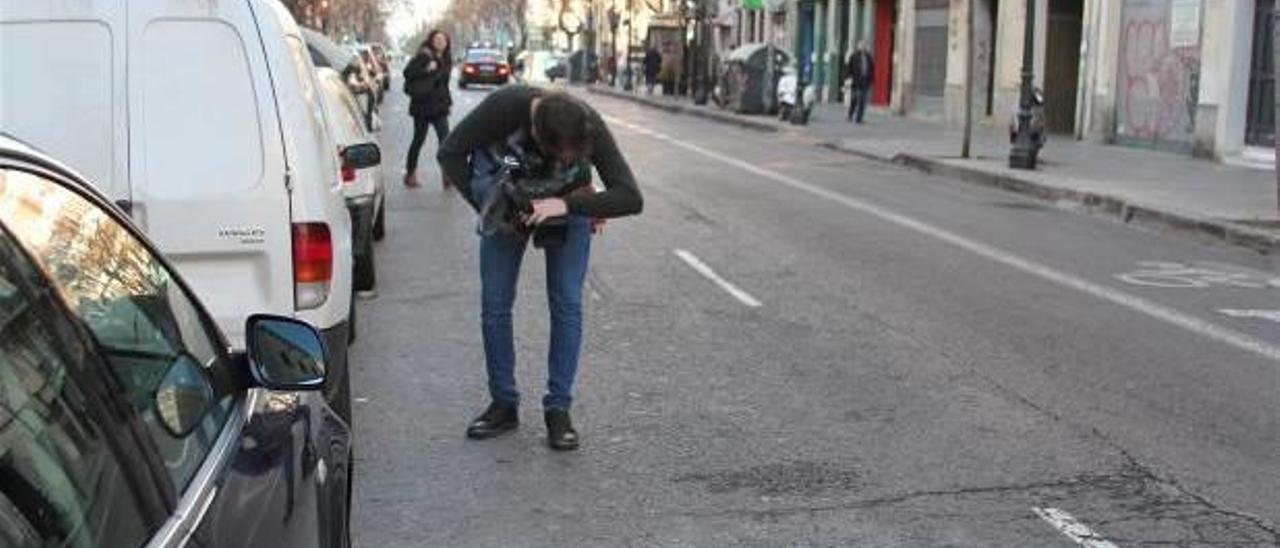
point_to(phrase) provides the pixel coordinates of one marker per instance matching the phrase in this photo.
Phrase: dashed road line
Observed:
(702, 268)
(1148, 308)
(1071, 527)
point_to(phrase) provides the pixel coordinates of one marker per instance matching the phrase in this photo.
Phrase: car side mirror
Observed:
(183, 397)
(361, 156)
(285, 354)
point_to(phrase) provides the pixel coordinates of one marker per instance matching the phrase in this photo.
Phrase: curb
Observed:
(677, 108)
(1260, 241)
(1127, 211)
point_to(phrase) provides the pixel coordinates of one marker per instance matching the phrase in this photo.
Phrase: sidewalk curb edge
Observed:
(1126, 210)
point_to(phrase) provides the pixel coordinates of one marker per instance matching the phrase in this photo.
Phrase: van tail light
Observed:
(312, 264)
(469, 69)
(348, 172)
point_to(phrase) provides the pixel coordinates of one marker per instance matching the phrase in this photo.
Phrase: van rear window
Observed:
(73, 81)
(201, 130)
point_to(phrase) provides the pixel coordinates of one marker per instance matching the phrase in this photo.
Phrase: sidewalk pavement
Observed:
(1165, 190)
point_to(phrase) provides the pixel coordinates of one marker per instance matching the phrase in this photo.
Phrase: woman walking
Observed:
(426, 81)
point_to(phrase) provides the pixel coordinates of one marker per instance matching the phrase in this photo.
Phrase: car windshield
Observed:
(483, 56)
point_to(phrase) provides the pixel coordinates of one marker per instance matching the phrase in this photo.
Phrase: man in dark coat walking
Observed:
(652, 65)
(861, 70)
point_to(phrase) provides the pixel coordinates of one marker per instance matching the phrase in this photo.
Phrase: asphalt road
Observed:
(929, 364)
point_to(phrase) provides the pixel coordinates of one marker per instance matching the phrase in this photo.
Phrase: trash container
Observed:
(743, 77)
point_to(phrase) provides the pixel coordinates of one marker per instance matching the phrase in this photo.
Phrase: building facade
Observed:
(1194, 76)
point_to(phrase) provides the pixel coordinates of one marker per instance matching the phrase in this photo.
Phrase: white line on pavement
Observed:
(702, 268)
(1071, 527)
(1271, 315)
(1132, 302)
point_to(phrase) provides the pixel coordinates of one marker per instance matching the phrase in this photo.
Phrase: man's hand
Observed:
(546, 209)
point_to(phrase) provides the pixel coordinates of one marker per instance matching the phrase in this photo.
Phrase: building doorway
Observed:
(1062, 62)
(804, 53)
(885, 28)
(930, 72)
(1260, 128)
(993, 21)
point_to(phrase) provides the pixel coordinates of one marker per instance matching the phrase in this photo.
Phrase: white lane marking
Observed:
(362, 400)
(702, 268)
(1071, 527)
(1271, 315)
(1132, 302)
(1197, 276)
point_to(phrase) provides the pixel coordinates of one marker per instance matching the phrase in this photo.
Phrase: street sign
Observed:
(752, 4)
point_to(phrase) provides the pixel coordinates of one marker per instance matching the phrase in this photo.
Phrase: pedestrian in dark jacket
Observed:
(426, 78)
(559, 131)
(861, 69)
(652, 66)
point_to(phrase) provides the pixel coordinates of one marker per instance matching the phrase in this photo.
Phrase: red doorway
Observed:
(886, 19)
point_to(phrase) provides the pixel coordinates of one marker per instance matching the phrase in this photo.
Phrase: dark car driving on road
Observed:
(124, 419)
(484, 66)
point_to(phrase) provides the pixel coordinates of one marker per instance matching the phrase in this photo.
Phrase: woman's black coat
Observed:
(428, 89)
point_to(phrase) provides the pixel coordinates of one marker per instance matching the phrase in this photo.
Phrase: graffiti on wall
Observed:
(1159, 71)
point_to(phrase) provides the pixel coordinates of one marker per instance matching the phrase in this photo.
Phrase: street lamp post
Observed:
(1025, 146)
(614, 18)
(627, 83)
(699, 52)
(572, 26)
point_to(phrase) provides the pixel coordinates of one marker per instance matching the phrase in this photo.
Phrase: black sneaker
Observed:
(560, 433)
(495, 420)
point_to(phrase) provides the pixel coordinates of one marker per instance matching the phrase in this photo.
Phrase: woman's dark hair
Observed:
(447, 56)
(563, 123)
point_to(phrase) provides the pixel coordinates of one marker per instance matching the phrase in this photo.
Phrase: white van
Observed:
(364, 188)
(202, 119)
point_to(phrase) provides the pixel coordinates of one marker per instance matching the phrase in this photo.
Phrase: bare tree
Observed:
(363, 20)
(470, 20)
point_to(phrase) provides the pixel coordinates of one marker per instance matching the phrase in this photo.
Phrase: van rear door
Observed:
(208, 174)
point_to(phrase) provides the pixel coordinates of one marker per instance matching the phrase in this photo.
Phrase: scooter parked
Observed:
(787, 108)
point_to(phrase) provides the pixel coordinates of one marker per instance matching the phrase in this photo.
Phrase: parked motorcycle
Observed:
(787, 86)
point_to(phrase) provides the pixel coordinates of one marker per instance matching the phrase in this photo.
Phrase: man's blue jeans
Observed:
(500, 258)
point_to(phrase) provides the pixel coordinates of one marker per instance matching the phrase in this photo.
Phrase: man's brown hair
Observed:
(562, 123)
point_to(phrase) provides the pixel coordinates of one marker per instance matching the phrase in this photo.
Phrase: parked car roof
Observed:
(336, 57)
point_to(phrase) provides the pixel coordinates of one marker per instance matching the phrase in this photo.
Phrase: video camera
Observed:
(522, 178)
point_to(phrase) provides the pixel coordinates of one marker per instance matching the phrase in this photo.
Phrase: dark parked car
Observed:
(124, 420)
(484, 66)
(572, 68)
(558, 70)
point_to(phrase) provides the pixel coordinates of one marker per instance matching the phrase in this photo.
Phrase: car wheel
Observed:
(366, 274)
(380, 222)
